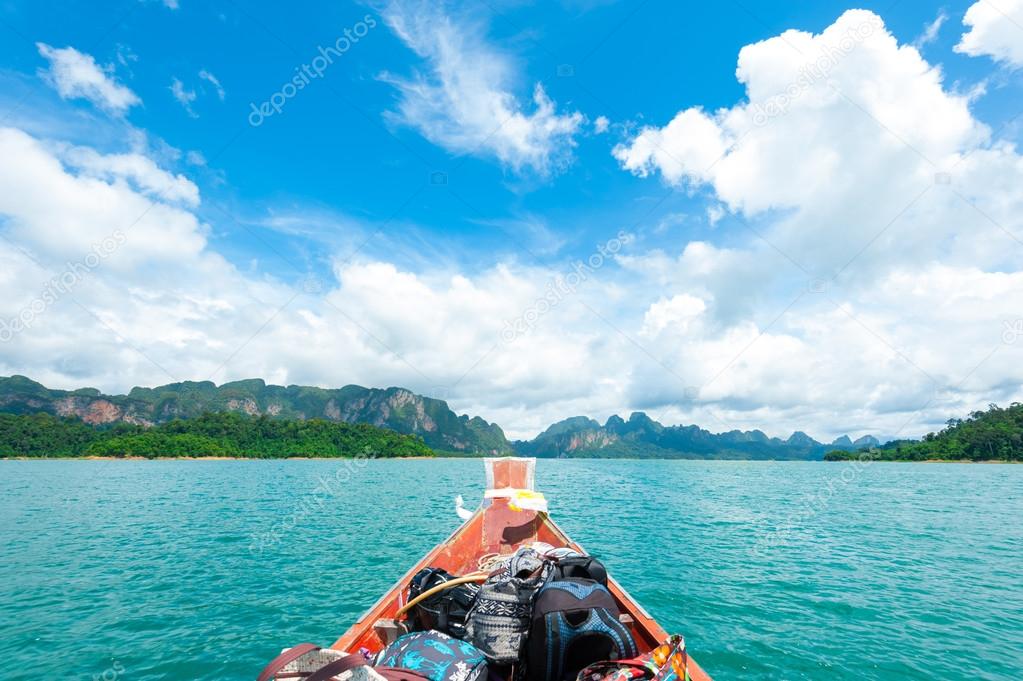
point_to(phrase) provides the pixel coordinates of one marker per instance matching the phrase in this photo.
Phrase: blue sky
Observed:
(453, 153)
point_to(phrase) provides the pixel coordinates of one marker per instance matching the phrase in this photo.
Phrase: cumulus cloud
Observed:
(464, 101)
(75, 74)
(996, 30)
(53, 211)
(848, 141)
(884, 229)
(677, 311)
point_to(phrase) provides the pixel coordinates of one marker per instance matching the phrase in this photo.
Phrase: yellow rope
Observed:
(485, 565)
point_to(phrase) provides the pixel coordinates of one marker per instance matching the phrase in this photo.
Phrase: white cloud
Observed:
(931, 30)
(207, 76)
(75, 74)
(187, 97)
(55, 213)
(825, 162)
(532, 231)
(901, 349)
(856, 170)
(125, 57)
(165, 306)
(688, 146)
(465, 103)
(601, 124)
(677, 311)
(141, 170)
(996, 30)
(714, 214)
(183, 95)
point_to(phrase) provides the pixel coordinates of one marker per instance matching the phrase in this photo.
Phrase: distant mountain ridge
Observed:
(403, 411)
(643, 437)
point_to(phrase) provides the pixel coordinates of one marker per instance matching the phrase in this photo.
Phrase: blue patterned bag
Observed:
(437, 656)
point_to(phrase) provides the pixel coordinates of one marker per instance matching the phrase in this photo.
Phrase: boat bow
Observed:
(512, 514)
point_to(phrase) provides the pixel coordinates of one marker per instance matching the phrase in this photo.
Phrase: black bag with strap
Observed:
(579, 566)
(445, 611)
(575, 623)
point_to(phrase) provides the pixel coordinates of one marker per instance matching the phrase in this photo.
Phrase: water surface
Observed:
(182, 570)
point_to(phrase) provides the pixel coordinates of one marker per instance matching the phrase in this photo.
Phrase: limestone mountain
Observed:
(403, 411)
(396, 409)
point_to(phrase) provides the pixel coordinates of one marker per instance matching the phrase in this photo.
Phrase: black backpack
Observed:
(575, 623)
(578, 566)
(444, 611)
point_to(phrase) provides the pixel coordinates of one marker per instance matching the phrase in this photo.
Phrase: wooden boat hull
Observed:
(499, 527)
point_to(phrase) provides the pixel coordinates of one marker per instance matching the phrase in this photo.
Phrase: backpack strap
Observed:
(284, 659)
(346, 663)
(555, 655)
(442, 616)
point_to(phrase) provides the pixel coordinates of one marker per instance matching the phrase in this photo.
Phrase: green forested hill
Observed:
(992, 435)
(43, 435)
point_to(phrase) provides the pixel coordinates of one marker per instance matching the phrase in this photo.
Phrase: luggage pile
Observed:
(541, 614)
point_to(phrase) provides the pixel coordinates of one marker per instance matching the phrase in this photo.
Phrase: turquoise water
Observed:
(139, 571)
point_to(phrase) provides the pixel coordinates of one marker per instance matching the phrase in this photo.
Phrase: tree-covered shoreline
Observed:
(209, 435)
(992, 435)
